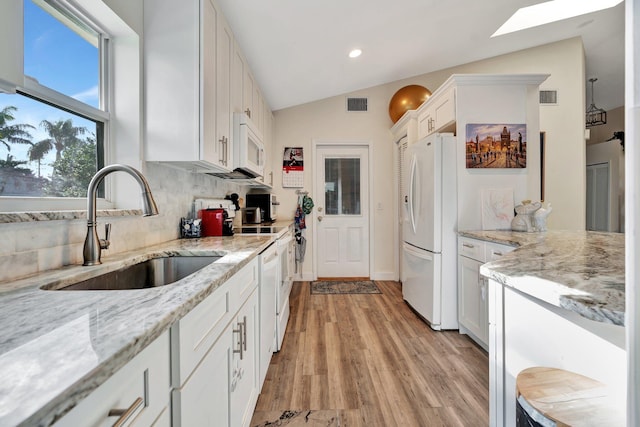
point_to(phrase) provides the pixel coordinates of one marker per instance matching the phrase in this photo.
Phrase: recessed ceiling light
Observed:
(355, 53)
(551, 11)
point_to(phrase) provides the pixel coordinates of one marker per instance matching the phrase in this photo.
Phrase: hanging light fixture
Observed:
(595, 116)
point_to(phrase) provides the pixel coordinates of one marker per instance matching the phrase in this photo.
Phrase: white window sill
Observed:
(16, 217)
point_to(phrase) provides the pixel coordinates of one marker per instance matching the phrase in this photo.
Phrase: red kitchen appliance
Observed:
(212, 221)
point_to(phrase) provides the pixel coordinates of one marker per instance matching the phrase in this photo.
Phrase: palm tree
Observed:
(62, 133)
(13, 134)
(38, 151)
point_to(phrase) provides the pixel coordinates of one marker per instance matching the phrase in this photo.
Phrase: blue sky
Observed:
(58, 58)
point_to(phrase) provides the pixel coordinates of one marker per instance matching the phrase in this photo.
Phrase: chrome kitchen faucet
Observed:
(94, 245)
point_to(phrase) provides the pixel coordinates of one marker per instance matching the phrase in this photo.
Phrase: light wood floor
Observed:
(368, 360)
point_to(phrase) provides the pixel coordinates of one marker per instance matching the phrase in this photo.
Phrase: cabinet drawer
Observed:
(494, 251)
(145, 377)
(471, 248)
(196, 332)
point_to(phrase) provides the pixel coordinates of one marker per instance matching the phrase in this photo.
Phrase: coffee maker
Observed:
(217, 216)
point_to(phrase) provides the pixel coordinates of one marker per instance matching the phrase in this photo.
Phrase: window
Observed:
(52, 130)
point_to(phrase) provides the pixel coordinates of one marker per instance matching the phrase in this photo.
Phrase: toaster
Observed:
(252, 215)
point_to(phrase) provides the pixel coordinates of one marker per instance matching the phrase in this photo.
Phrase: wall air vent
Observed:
(548, 97)
(357, 104)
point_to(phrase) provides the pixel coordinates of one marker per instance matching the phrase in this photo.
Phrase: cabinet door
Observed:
(472, 303)
(224, 116)
(204, 398)
(248, 84)
(444, 111)
(244, 373)
(208, 29)
(425, 121)
(237, 80)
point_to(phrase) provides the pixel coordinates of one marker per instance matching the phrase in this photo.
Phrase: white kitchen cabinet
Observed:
(473, 288)
(141, 386)
(224, 108)
(183, 88)
(204, 398)
(214, 355)
(245, 362)
(439, 113)
(472, 305)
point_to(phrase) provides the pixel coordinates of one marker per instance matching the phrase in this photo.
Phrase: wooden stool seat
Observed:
(569, 399)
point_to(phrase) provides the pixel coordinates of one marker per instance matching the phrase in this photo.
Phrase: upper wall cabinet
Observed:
(439, 113)
(187, 74)
(247, 97)
(195, 78)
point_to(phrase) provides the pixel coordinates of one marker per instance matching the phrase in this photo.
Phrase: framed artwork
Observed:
(497, 208)
(496, 146)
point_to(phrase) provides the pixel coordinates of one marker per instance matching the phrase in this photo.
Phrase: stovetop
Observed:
(258, 229)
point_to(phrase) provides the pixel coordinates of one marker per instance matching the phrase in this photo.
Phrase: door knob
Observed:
(320, 218)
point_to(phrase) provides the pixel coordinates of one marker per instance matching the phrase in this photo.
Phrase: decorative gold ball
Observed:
(407, 98)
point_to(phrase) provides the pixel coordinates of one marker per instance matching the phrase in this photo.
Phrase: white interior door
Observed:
(598, 197)
(342, 211)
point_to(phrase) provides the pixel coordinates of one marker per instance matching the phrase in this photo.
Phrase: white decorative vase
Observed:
(523, 221)
(540, 218)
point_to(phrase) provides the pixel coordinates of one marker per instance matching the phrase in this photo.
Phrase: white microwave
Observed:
(248, 148)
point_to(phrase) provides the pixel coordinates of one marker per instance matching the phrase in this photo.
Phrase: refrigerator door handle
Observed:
(412, 183)
(422, 254)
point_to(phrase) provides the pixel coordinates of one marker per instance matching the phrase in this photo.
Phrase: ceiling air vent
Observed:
(548, 97)
(357, 104)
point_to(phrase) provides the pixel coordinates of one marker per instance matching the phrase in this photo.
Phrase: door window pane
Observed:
(342, 186)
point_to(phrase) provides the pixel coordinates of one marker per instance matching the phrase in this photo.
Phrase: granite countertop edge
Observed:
(127, 322)
(580, 271)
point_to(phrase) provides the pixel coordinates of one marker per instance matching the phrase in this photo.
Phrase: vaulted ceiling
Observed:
(298, 50)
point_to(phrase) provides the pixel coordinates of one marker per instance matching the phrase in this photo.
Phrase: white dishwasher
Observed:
(269, 279)
(285, 251)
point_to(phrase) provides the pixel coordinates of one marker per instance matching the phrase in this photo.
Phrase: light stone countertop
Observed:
(581, 271)
(58, 346)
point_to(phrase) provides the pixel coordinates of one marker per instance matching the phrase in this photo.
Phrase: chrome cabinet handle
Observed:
(468, 245)
(244, 334)
(125, 414)
(239, 342)
(497, 253)
(248, 111)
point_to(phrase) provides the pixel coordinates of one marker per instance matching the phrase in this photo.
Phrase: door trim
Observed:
(315, 144)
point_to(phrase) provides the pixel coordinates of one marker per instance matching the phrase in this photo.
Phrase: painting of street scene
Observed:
(496, 146)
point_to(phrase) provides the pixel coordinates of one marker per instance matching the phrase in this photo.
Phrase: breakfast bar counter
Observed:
(556, 301)
(581, 271)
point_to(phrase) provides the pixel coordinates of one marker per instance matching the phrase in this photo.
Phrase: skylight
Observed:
(551, 11)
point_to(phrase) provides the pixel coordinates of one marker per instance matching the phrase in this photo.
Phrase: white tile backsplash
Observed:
(31, 247)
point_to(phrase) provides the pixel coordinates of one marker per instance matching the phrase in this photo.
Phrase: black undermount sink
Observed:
(147, 274)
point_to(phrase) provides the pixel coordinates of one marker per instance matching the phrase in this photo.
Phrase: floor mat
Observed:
(344, 287)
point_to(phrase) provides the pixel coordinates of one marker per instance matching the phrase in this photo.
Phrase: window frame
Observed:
(40, 93)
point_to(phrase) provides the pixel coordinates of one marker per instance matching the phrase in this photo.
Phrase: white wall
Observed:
(564, 125)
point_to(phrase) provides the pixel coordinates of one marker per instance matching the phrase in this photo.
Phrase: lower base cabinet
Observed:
(215, 356)
(473, 288)
(204, 398)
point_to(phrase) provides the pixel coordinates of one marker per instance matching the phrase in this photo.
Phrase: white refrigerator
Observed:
(429, 230)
